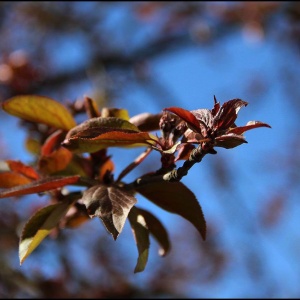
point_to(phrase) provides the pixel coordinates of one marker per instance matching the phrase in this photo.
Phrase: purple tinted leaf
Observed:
(176, 198)
(250, 125)
(203, 115)
(146, 121)
(187, 116)
(227, 114)
(111, 204)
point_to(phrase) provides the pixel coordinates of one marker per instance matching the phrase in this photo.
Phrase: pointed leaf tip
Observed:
(176, 198)
(111, 204)
(39, 226)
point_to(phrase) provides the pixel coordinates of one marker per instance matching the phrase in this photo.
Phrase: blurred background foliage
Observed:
(145, 56)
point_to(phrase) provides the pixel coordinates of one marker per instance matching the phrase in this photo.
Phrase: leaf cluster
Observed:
(74, 154)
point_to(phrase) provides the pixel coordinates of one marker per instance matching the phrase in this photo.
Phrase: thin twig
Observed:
(134, 164)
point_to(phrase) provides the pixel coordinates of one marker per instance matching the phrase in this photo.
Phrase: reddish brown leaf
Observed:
(111, 204)
(203, 115)
(54, 157)
(146, 121)
(12, 179)
(175, 197)
(23, 169)
(39, 186)
(100, 124)
(52, 142)
(227, 114)
(118, 138)
(107, 166)
(248, 126)
(187, 116)
(184, 151)
(56, 161)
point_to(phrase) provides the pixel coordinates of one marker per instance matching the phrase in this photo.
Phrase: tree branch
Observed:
(196, 156)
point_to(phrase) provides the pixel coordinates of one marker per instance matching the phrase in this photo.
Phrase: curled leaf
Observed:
(227, 114)
(250, 125)
(157, 229)
(186, 116)
(141, 236)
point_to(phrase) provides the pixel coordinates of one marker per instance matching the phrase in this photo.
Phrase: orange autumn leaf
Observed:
(12, 179)
(19, 167)
(39, 186)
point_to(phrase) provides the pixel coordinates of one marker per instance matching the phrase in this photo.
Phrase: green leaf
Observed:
(176, 198)
(39, 226)
(39, 186)
(141, 236)
(111, 204)
(41, 110)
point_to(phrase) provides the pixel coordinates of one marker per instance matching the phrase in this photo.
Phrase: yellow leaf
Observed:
(115, 112)
(39, 226)
(41, 110)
